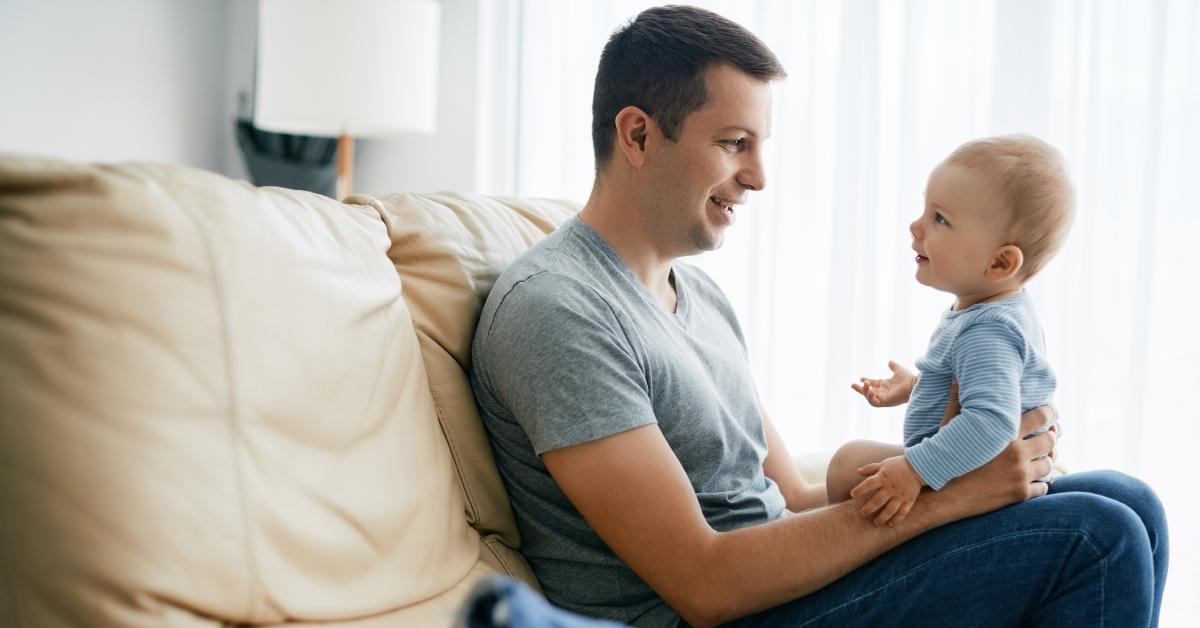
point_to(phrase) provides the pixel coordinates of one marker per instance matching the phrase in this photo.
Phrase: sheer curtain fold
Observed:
(819, 266)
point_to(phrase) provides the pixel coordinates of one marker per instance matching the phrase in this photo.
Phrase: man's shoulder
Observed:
(543, 292)
(540, 289)
(555, 260)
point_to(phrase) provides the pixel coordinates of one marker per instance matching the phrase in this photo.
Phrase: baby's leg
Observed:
(843, 467)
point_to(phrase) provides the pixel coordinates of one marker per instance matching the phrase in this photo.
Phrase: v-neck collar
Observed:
(681, 293)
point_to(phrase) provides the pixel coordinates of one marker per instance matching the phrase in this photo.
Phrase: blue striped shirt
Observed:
(997, 352)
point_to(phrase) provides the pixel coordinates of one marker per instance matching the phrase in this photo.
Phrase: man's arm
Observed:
(778, 466)
(645, 510)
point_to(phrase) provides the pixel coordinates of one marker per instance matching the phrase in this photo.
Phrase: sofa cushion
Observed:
(212, 407)
(448, 249)
(442, 610)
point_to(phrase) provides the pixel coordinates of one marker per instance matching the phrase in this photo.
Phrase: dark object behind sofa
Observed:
(300, 162)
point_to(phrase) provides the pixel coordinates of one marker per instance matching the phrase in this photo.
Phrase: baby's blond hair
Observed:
(1037, 191)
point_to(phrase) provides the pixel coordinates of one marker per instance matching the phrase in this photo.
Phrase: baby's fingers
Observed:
(870, 469)
(889, 512)
(874, 504)
(866, 486)
(902, 514)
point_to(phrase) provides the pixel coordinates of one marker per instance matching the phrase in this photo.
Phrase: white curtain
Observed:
(819, 266)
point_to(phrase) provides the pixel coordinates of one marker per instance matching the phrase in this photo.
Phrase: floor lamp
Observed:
(350, 68)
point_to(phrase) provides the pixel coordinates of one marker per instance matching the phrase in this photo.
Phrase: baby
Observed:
(996, 210)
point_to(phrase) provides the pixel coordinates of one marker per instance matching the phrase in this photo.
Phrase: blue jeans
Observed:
(1091, 553)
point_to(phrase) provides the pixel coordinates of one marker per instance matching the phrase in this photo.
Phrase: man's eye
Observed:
(738, 143)
(940, 219)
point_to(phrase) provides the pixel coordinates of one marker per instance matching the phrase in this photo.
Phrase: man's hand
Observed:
(896, 485)
(887, 392)
(1012, 476)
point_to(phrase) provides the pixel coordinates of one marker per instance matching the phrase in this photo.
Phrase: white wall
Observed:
(115, 80)
(160, 80)
(238, 98)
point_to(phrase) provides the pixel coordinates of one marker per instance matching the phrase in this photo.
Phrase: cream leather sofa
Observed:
(222, 404)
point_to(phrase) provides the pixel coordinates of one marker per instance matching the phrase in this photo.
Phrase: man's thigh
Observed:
(992, 570)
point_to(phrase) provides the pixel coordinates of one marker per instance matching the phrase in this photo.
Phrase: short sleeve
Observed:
(556, 357)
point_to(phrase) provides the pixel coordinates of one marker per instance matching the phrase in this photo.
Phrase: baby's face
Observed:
(959, 231)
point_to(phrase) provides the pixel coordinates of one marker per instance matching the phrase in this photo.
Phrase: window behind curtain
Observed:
(819, 266)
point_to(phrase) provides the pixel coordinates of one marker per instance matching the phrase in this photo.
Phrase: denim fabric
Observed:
(500, 602)
(1091, 553)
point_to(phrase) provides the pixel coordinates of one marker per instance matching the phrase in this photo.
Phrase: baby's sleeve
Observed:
(987, 358)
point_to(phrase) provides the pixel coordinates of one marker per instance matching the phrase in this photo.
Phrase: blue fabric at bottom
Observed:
(1093, 552)
(500, 602)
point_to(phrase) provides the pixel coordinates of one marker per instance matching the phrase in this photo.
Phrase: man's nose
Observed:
(752, 177)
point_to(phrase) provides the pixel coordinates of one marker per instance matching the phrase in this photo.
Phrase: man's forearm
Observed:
(754, 568)
(807, 498)
(804, 552)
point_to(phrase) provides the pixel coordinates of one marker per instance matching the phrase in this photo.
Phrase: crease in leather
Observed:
(253, 575)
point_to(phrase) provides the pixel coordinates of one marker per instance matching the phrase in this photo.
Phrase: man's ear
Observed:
(633, 126)
(1006, 262)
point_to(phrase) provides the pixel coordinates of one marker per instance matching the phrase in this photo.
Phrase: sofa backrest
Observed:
(213, 407)
(448, 249)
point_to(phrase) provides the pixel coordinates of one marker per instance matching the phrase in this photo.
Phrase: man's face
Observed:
(693, 186)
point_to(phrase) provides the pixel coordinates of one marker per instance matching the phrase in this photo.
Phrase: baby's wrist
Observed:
(913, 470)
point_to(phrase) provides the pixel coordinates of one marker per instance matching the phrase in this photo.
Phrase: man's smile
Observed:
(725, 206)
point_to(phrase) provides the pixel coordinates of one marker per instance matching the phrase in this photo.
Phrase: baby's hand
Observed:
(896, 485)
(887, 392)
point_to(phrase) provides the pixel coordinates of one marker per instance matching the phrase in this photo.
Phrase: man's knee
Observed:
(1133, 493)
(1111, 527)
(1099, 557)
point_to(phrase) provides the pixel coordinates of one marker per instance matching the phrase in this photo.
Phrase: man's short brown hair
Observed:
(658, 62)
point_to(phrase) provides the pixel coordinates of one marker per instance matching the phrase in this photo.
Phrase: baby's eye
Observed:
(940, 219)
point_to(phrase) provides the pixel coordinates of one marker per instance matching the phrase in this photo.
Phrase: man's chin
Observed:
(705, 240)
(715, 242)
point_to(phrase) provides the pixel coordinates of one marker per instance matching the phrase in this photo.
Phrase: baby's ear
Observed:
(1006, 262)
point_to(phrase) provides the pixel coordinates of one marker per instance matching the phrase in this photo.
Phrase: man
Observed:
(649, 485)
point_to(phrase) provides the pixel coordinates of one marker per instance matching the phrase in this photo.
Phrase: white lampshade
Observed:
(357, 67)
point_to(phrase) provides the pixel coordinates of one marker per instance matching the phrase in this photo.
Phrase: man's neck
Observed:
(618, 221)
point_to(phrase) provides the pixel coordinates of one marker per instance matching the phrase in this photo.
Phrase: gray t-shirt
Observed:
(570, 348)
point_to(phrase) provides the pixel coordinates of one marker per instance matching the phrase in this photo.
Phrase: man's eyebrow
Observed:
(747, 131)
